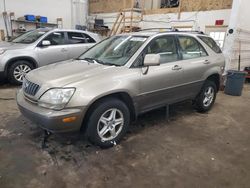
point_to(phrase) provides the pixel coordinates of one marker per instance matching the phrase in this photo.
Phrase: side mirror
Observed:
(152, 60)
(46, 43)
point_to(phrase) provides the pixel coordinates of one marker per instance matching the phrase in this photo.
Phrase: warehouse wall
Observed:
(51, 8)
(71, 11)
(197, 20)
(108, 6)
(188, 6)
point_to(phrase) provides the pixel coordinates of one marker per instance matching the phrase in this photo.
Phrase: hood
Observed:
(12, 46)
(67, 72)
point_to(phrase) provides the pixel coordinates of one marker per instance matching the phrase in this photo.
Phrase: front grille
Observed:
(30, 88)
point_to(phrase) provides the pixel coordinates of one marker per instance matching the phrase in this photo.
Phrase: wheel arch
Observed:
(24, 58)
(123, 96)
(216, 78)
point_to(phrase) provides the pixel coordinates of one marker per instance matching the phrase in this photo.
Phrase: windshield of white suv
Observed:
(29, 37)
(116, 50)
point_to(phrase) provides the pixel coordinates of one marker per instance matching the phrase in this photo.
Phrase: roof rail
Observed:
(163, 28)
(193, 31)
(171, 29)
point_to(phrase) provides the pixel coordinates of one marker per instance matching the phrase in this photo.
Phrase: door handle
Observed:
(206, 62)
(64, 50)
(176, 67)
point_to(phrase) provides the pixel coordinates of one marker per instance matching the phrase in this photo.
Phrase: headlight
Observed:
(56, 99)
(2, 51)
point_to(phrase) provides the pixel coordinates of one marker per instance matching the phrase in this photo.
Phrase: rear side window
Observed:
(79, 38)
(88, 38)
(191, 48)
(76, 38)
(211, 43)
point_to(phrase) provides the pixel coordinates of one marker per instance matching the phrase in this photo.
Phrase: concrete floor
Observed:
(192, 150)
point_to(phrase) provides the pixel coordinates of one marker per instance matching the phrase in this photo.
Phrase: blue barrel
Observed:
(235, 82)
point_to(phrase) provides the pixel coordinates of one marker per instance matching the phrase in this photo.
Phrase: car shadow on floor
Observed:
(74, 146)
(6, 85)
(3, 83)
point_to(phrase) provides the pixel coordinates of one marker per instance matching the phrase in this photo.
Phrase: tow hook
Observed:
(46, 135)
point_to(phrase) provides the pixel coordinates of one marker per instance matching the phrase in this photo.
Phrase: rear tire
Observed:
(206, 98)
(18, 70)
(108, 122)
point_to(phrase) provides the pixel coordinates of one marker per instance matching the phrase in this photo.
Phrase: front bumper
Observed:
(50, 120)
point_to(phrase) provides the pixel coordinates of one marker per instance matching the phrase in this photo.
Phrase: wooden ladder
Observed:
(131, 21)
(117, 24)
(126, 20)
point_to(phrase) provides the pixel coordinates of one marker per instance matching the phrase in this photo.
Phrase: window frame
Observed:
(180, 48)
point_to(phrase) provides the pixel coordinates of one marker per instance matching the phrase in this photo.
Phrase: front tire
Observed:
(108, 123)
(206, 98)
(18, 70)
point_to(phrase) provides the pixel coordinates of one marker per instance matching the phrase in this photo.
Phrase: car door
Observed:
(78, 43)
(159, 85)
(55, 52)
(195, 62)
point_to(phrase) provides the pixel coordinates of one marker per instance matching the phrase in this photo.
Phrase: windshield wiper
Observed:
(90, 60)
(93, 60)
(112, 64)
(104, 63)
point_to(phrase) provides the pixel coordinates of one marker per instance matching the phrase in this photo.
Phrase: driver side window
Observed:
(164, 46)
(56, 38)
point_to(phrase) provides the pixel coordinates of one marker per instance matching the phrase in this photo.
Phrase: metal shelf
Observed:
(36, 24)
(31, 22)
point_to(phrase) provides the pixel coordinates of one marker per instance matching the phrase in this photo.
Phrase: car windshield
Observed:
(116, 50)
(29, 37)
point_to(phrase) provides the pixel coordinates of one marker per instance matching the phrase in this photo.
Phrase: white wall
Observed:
(79, 12)
(198, 20)
(239, 22)
(53, 9)
(71, 11)
(241, 14)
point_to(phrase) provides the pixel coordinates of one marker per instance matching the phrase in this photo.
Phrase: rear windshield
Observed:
(211, 43)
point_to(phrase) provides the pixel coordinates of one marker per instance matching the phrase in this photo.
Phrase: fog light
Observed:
(69, 119)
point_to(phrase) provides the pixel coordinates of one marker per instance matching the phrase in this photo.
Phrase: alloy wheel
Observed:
(20, 71)
(110, 124)
(208, 96)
